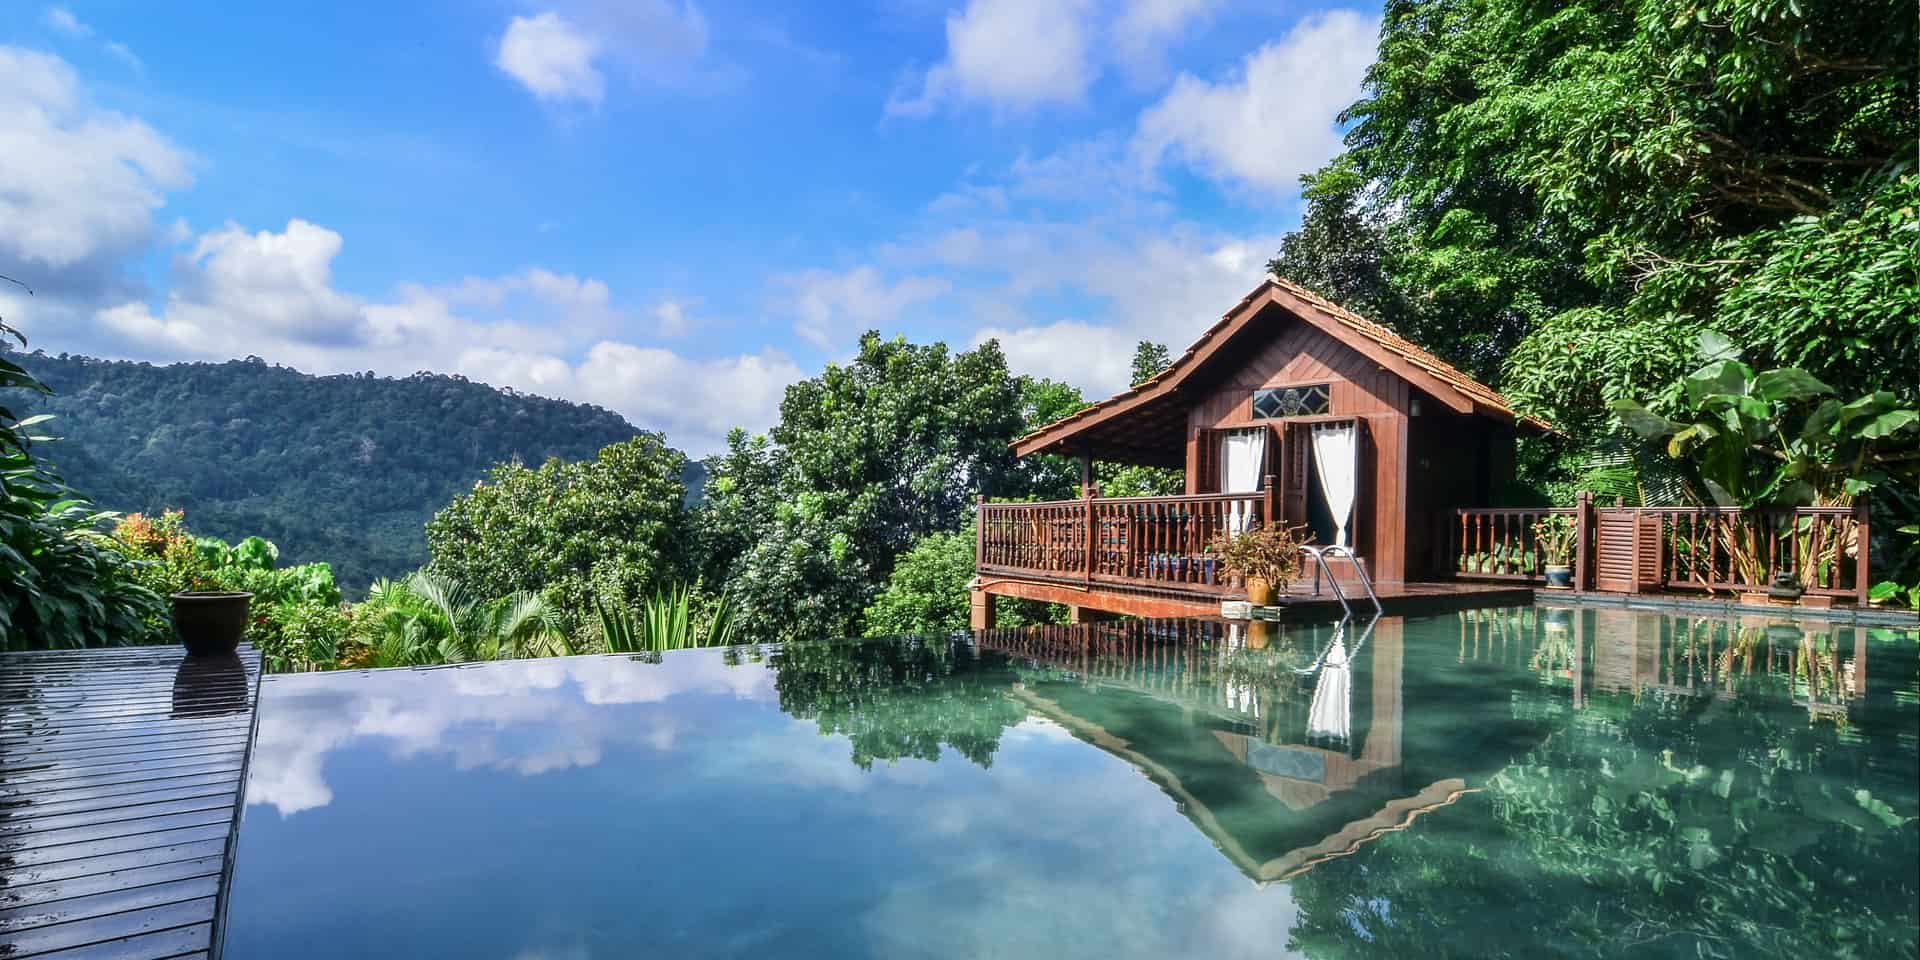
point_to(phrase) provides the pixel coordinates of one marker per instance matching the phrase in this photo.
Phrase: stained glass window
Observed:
(1301, 401)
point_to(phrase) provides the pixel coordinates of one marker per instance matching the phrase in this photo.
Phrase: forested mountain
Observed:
(345, 469)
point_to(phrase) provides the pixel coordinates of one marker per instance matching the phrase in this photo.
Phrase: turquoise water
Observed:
(1519, 782)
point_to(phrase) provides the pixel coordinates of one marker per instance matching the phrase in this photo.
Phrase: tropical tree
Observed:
(1149, 358)
(927, 592)
(866, 457)
(1561, 197)
(611, 528)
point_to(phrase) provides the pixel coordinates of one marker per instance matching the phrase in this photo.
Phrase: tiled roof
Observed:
(1407, 350)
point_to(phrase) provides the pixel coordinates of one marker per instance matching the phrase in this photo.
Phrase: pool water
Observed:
(1509, 782)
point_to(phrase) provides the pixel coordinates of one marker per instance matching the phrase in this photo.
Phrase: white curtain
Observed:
(1331, 713)
(1243, 454)
(1337, 455)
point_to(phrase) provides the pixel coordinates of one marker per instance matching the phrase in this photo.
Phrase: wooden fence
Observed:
(1644, 549)
(1137, 541)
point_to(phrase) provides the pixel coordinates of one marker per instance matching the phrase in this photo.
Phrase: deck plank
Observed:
(120, 775)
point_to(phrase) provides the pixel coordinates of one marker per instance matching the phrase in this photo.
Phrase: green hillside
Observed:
(345, 469)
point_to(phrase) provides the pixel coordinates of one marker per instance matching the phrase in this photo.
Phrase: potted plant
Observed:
(1264, 556)
(210, 623)
(1553, 533)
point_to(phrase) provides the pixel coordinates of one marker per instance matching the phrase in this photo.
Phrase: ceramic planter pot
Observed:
(1559, 576)
(210, 623)
(1259, 592)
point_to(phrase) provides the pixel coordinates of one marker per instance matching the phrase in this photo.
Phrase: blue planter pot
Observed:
(1559, 578)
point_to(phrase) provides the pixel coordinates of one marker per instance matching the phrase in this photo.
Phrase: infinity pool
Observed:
(1515, 782)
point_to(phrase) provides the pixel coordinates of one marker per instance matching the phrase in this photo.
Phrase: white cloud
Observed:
(1013, 54)
(1070, 351)
(1145, 28)
(1273, 119)
(832, 307)
(552, 58)
(1163, 283)
(673, 319)
(271, 294)
(702, 398)
(565, 53)
(79, 185)
(125, 55)
(63, 20)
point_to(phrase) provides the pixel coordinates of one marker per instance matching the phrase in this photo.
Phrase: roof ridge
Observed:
(1413, 352)
(1373, 330)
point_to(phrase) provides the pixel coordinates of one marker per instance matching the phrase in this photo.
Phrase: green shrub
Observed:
(62, 583)
(296, 637)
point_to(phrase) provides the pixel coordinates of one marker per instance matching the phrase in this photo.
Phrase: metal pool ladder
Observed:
(1337, 550)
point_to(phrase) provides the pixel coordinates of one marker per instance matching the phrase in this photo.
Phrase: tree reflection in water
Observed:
(1717, 789)
(902, 697)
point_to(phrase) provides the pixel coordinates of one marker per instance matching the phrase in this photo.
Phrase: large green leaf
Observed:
(1722, 377)
(1788, 383)
(1642, 421)
(1889, 423)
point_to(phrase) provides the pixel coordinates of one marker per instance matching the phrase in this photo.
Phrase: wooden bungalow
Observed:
(1289, 408)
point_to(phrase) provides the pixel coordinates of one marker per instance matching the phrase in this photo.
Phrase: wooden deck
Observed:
(1090, 600)
(120, 779)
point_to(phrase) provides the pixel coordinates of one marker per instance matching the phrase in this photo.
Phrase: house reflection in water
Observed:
(1289, 745)
(1281, 743)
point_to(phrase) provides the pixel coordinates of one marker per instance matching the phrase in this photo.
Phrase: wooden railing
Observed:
(1499, 543)
(1140, 541)
(1636, 549)
(1737, 550)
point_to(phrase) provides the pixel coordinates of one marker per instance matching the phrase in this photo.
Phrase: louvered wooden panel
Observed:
(1649, 558)
(1613, 565)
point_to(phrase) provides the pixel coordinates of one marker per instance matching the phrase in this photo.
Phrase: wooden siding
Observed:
(120, 780)
(1302, 354)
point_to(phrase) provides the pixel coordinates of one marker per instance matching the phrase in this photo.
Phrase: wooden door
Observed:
(1295, 447)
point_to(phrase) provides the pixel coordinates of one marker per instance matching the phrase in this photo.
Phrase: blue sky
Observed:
(671, 209)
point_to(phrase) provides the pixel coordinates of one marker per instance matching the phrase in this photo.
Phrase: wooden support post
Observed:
(1086, 503)
(979, 529)
(981, 613)
(1582, 540)
(1272, 500)
(1863, 570)
(1080, 614)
